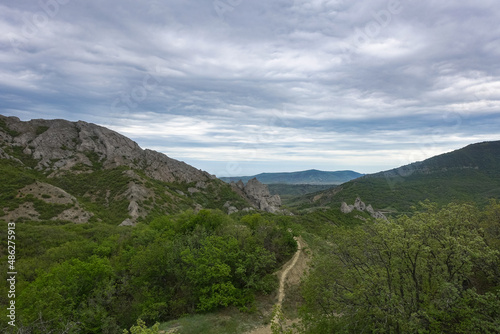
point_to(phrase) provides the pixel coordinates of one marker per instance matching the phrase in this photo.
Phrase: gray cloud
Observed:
(262, 85)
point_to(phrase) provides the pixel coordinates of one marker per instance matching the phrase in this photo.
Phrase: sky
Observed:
(240, 87)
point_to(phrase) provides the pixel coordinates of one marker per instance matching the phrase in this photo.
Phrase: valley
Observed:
(110, 236)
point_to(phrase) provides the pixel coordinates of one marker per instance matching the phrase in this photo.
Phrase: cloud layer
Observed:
(241, 87)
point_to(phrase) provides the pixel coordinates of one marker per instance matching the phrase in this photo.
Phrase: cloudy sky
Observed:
(239, 87)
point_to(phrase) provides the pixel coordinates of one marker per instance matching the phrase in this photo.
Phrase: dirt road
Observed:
(290, 274)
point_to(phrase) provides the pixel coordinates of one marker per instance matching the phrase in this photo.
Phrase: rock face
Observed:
(62, 153)
(258, 195)
(60, 145)
(359, 205)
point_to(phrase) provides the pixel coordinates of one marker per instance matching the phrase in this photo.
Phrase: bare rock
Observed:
(231, 209)
(127, 222)
(197, 208)
(258, 195)
(60, 145)
(51, 195)
(136, 194)
(359, 205)
(201, 185)
(346, 208)
(248, 209)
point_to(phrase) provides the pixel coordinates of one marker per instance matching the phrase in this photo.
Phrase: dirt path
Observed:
(291, 274)
(284, 274)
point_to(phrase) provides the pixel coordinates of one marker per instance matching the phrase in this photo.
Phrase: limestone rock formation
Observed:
(136, 194)
(63, 153)
(359, 205)
(52, 195)
(258, 195)
(58, 145)
(230, 208)
(344, 208)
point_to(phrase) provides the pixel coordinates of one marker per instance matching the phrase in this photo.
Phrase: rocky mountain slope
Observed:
(59, 145)
(78, 171)
(470, 174)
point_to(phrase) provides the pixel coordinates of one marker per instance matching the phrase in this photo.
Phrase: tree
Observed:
(416, 274)
(141, 328)
(74, 292)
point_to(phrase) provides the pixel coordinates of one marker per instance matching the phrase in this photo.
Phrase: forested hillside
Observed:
(468, 174)
(436, 271)
(101, 278)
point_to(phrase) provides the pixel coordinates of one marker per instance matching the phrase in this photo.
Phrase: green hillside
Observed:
(470, 174)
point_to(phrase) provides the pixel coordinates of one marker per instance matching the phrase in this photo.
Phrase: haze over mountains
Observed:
(312, 176)
(470, 174)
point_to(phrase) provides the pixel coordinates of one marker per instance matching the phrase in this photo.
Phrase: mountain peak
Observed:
(60, 145)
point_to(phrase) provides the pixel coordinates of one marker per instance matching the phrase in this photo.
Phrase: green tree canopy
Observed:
(416, 274)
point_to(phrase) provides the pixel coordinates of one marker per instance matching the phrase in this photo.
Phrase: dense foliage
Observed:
(434, 272)
(99, 278)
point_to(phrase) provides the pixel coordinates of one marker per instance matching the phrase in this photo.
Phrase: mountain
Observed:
(468, 174)
(312, 177)
(82, 172)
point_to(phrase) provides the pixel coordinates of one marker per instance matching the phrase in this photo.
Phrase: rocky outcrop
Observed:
(51, 195)
(58, 145)
(258, 195)
(67, 154)
(344, 208)
(359, 205)
(136, 194)
(230, 209)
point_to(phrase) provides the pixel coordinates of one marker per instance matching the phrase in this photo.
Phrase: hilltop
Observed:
(82, 172)
(469, 174)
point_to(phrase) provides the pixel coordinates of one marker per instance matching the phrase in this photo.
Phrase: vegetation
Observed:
(96, 278)
(433, 272)
(428, 269)
(466, 175)
(7, 130)
(400, 194)
(288, 192)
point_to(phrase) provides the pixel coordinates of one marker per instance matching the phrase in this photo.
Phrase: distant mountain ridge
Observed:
(469, 174)
(312, 176)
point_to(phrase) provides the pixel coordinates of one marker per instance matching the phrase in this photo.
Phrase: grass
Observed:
(99, 192)
(41, 129)
(226, 321)
(5, 128)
